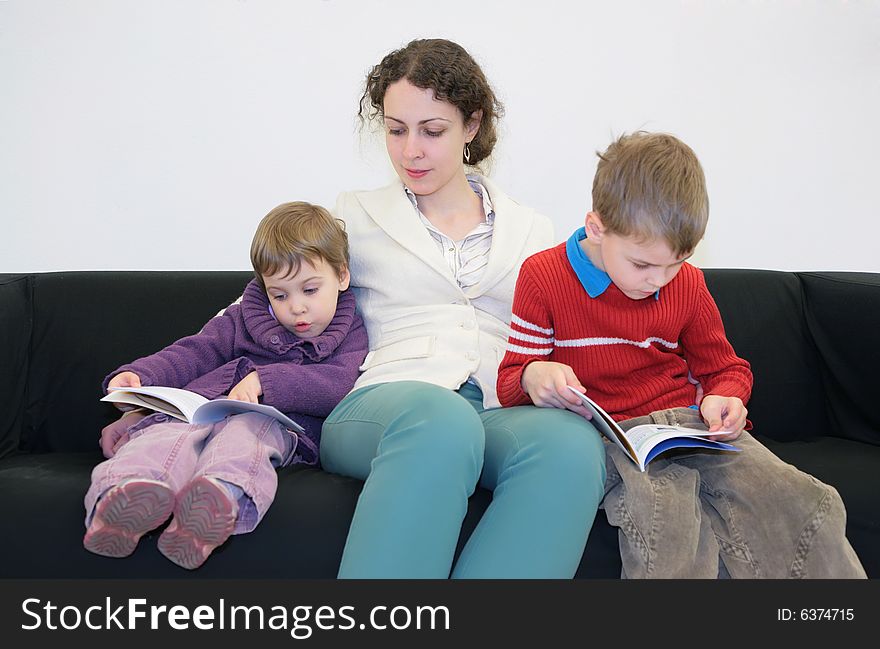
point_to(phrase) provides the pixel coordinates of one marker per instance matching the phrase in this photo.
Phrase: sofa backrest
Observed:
(763, 314)
(808, 337)
(843, 316)
(83, 325)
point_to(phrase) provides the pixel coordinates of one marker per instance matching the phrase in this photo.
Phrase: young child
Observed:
(618, 313)
(294, 341)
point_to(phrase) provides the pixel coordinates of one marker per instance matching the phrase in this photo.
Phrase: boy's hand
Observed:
(248, 389)
(115, 434)
(726, 415)
(546, 384)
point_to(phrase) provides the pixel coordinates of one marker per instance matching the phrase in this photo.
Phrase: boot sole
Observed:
(124, 514)
(204, 518)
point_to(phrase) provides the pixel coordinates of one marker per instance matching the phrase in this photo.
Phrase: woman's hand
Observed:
(726, 415)
(248, 389)
(547, 383)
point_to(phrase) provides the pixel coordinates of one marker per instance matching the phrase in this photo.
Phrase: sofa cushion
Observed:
(846, 335)
(763, 316)
(302, 535)
(15, 332)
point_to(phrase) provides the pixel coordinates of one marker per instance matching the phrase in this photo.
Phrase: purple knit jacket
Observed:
(303, 378)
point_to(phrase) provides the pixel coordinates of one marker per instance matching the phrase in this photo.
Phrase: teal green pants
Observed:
(422, 449)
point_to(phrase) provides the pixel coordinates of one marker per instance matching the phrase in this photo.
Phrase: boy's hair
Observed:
(295, 231)
(451, 72)
(651, 186)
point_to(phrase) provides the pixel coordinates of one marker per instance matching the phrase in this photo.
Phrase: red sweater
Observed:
(632, 356)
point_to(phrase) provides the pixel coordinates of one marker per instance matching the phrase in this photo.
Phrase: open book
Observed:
(191, 407)
(645, 442)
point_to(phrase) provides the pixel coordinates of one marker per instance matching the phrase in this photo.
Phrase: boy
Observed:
(618, 313)
(294, 341)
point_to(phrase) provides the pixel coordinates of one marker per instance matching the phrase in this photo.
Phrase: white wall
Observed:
(154, 134)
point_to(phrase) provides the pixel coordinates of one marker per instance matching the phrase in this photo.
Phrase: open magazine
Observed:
(645, 442)
(191, 407)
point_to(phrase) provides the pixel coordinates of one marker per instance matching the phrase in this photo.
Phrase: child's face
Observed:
(425, 137)
(638, 268)
(305, 303)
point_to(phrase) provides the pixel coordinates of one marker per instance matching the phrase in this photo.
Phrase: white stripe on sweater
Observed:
(529, 351)
(538, 340)
(591, 342)
(515, 319)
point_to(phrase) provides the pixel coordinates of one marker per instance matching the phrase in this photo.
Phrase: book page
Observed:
(177, 403)
(646, 436)
(649, 440)
(219, 409)
(191, 407)
(606, 425)
(688, 442)
(643, 443)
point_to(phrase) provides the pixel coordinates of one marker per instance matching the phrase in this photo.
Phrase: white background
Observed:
(154, 134)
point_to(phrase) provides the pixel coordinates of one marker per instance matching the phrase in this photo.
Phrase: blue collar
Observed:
(594, 281)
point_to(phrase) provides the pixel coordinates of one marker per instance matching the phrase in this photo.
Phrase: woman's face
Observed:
(425, 137)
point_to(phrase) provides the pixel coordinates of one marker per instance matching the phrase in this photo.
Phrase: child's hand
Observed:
(115, 434)
(726, 415)
(248, 389)
(547, 383)
(125, 380)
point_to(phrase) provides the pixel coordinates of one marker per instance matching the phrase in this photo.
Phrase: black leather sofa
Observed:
(811, 338)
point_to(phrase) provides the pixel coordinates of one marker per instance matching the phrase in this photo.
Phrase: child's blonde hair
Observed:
(651, 186)
(295, 231)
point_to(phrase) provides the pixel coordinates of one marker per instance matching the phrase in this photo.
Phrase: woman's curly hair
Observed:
(447, 69)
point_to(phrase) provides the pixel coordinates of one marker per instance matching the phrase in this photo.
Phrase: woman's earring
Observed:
(467, 151)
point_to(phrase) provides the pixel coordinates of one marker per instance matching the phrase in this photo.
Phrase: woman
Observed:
(434, 263)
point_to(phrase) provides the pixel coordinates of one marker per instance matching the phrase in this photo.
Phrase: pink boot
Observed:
(204, 517)
(125, 513)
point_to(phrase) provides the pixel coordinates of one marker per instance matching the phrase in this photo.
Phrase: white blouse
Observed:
(466, 258)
